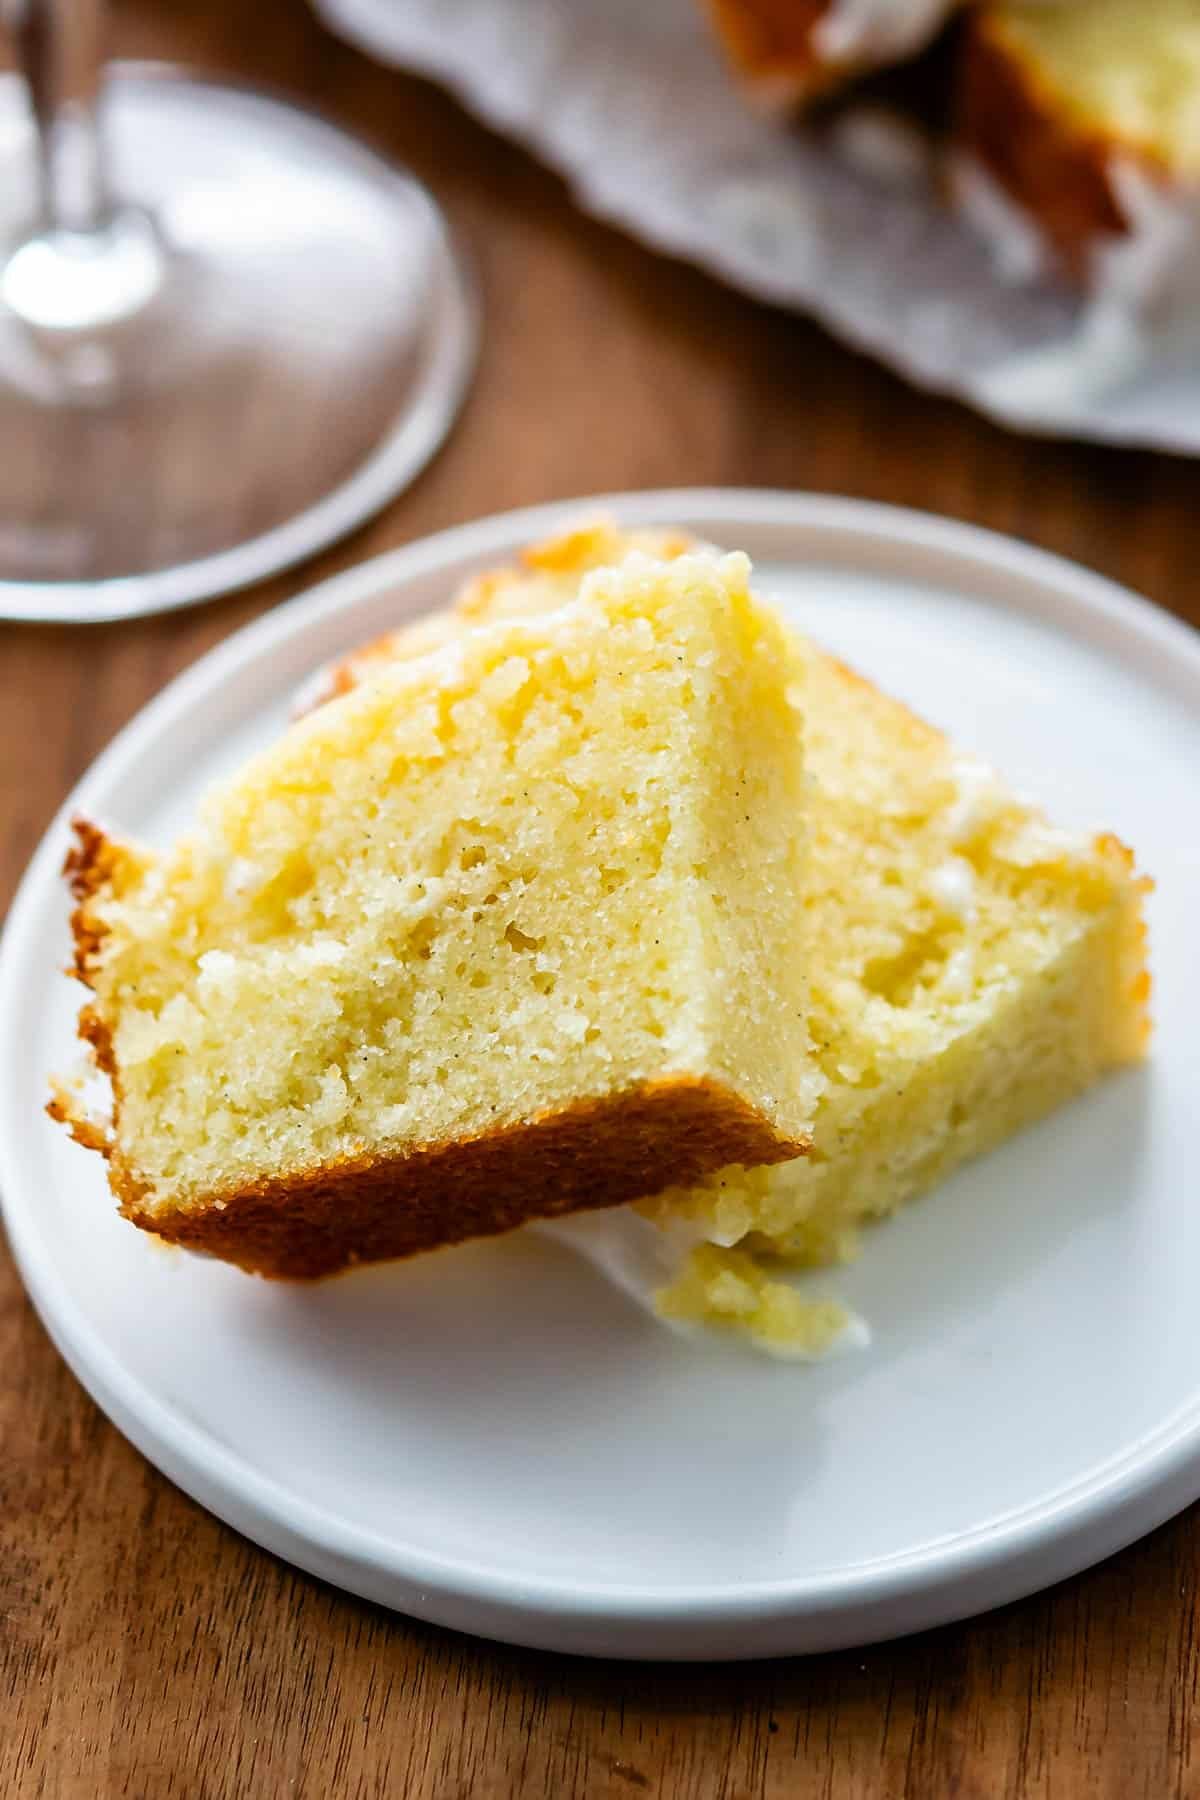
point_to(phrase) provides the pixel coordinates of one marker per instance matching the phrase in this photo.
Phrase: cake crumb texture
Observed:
(731, 1290)
(971, 967)
(507, 929)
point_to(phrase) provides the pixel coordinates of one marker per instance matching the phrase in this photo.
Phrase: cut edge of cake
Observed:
(599, 1151)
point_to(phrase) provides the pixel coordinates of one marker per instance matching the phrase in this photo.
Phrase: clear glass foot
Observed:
(258, 346)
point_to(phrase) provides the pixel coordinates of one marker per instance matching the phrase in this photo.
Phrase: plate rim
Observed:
(1002, 1558)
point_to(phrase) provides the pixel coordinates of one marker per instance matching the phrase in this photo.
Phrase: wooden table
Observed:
(145, 1650)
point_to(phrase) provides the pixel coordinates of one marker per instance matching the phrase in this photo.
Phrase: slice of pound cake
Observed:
(505, 931)
(1084, 115)
(970, 968)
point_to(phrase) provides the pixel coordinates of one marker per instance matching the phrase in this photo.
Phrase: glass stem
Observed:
(61, 47)
(86, 264)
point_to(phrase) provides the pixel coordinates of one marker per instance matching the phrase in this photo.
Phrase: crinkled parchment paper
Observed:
(631, 101)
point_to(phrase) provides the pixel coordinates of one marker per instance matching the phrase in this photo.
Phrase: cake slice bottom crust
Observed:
(597, 1153)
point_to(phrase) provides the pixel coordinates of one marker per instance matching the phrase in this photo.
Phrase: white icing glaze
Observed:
(686, 1234)
(883, 146)
(313, 692)
(1039, 841)
(88, 1091)
(622, 1246)
(1143, 287)
(854, 1335)
(953, 887)
(242, 877)
(214, 966)
(876, 31)
(1153, 270)
(978, 795)
(1012, 238)
(443, 663)
(958, 975)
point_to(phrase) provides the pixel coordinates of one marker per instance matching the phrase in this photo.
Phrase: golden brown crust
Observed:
(567, 552)
(571, 552)
(1049, 164)
(89, 867)
(63, 1107)
(90, 861)
(771, 43)
(916, 726)
(596, 1153)
(1140, 983)
(90, 864)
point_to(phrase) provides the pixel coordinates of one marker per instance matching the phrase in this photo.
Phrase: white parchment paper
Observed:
(632, 102)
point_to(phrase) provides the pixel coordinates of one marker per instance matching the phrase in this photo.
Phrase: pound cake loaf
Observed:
(1085, 114)
(970, 968)
(793, 51)
(505, 931)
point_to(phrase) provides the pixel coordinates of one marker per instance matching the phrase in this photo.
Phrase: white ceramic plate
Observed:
(493, 1438)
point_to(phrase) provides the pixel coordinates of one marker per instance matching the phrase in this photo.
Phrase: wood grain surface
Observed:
(146, 1650)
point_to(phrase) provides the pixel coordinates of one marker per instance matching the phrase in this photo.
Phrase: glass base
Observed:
(298, 346)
